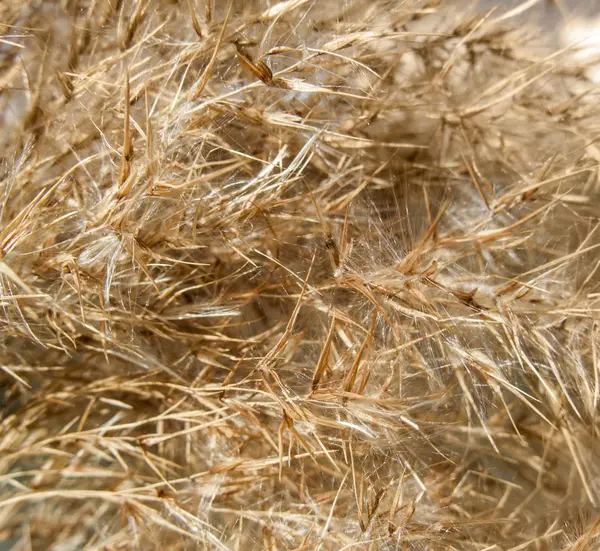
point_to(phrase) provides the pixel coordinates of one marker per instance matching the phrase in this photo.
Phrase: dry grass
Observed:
(297, 275)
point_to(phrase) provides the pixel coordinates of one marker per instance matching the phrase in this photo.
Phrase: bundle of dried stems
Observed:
(310, 275)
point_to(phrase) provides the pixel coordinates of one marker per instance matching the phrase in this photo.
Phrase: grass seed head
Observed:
(296, 275)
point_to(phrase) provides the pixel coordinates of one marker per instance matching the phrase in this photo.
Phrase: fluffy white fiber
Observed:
(305, 275)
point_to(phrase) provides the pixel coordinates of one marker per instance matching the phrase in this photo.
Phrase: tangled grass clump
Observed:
(295, 275)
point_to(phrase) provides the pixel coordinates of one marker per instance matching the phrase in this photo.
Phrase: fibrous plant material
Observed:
(295, 275)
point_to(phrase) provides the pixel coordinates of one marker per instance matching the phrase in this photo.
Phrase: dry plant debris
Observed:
(295, 275)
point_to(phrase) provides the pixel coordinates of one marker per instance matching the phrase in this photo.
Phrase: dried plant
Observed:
(295, 275)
